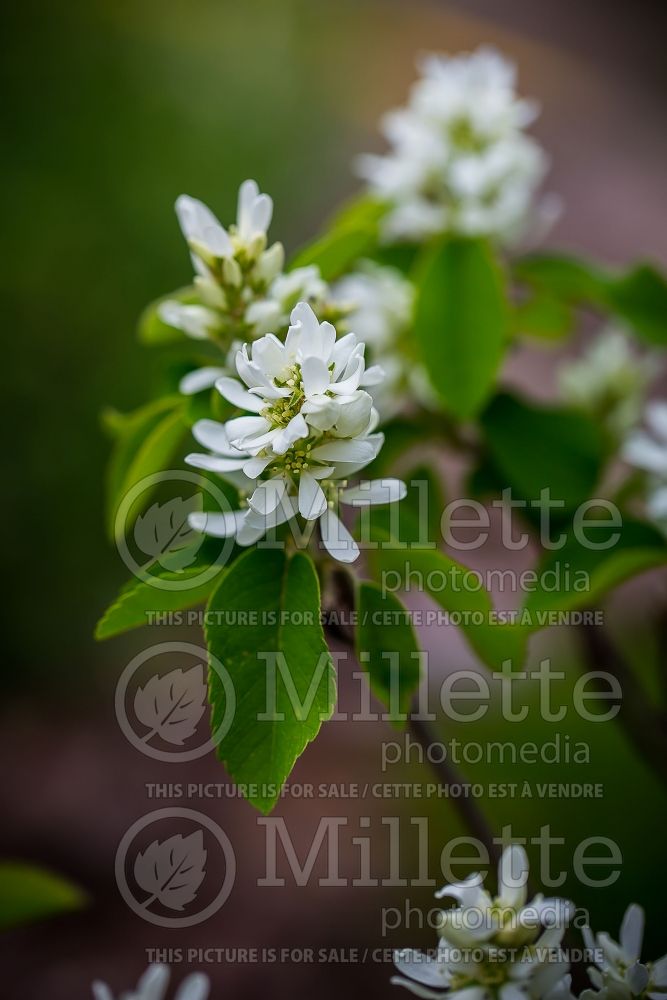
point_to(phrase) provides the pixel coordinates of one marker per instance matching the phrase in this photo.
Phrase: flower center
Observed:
(279, 412)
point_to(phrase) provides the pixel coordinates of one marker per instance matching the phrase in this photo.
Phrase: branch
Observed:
(642, 723)
(341, 597)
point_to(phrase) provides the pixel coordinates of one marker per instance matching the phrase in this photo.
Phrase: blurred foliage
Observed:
(115, 110)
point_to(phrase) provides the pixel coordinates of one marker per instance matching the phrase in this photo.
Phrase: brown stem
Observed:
(424, 732)
(642, 723)
(473, 817)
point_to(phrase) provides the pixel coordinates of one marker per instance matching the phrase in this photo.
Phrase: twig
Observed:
(642, 723)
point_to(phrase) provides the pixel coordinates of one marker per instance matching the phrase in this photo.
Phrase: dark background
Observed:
(113, 109)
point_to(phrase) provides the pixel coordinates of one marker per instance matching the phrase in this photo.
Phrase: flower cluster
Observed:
(378, 304)
(648, 451)
(308, 425)
(460, 160)
(498, 947)
(241, 289)
(609, 381)
(153, 986)
(619, 974)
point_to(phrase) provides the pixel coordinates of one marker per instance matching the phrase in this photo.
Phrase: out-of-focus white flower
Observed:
(378, 305)
(233, 267)
(209, 240)
(310, 425)
(492, 948)
(648, 451)
(303, 284)
(153, 986)
(609, 381)
(619, 974)
(459, 160)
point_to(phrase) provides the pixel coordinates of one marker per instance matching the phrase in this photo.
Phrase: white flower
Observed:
(378, 304)
(208, 239)
(232, 265)
(609, 381)
(506, 918)
(310, 425)
(311, 381)
(459, 160)
(649, 452)
(303, 284)
(493, 947)
(619, 973)
(153, 986)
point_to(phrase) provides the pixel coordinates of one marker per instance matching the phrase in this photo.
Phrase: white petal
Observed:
(235, 393)
(315, 375)
(513, 876)
(262, 213)
(213, 435)
(249, 533)
(267, 496)
(657, 503)
(632, 932)
(659, 972)
(269, 354)
(637, 978)
(194, 987)
(248, 192)
(421, 967)
(351, 382)
(645, 453)
(373, 375)
(194, 320)
(101, 991)
(216, 525)
(510, 991)
(337, 539)
(215, 463)
(244, 427)
(201, 378)
(254, 467)
(199, 223)
(154, 982)
(375, 491)
(342, 352)
(656, 418)
(344, 451)
(297, 428)
(312, 501)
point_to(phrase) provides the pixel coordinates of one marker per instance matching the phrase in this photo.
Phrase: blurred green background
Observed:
(113, 110)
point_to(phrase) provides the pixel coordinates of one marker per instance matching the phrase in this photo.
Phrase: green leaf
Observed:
(543, 316)
(351, 235)
(639, 548)
(153, 330)
(565, 277)
(640, 298)
(457, 590)
(535, 447)
(138, 597)
(144, 446)
(268, 605)
(387, 648)
(28, 893)
(461, 323)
